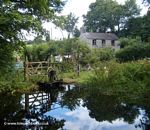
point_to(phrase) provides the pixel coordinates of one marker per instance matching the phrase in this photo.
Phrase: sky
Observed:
(79, 8)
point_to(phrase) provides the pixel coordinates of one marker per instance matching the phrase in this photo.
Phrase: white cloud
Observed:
(79, 119)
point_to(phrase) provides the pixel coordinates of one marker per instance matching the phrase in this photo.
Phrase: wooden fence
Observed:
(37, 100)
(39, 69)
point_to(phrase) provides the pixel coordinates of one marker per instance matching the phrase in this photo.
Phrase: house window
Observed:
(103, 42)
(113, 42)
(94, 42)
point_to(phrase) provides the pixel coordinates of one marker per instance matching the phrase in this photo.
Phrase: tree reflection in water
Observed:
(109, 108)
(103, 107)
(30, 114)
(31, 108)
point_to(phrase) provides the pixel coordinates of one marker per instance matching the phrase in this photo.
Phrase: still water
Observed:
(72, 108)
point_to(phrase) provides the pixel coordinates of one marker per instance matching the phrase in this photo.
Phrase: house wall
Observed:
(99, 43)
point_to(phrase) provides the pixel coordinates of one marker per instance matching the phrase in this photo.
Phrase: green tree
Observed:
(16, 16)
(76, 32)
(67, 23)
(70, 24)
(139, 27)
(124, 42)
(60, 22)
(108, 14)
(134, 52)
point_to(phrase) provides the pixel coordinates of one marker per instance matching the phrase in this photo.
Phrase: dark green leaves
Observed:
(109, 15)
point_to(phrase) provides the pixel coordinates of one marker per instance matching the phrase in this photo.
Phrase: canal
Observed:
(72, 108)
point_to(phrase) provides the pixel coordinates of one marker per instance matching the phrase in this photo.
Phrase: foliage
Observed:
(13, 81)
(68, 23)
(139, 27)
(71, 21)
(37, 52)
(122, 79)
(72, 77)
(6, 58)
(134, 52)
(43, 51)
(108, 14)
(124, 42)
(76, 32)
(79, 52)
(18, 16)
(103, 54)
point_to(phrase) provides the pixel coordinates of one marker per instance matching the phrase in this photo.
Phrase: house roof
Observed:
(101, 36)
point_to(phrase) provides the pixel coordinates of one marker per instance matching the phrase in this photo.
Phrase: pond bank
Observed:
(72, 77)
(112, 78)
(108, 77)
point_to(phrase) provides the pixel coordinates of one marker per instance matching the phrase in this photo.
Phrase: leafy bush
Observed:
(134, 52)
(126, 78)
(37, 52)
(124, 42)
(103, 54)
(12, 81)
(6, 58)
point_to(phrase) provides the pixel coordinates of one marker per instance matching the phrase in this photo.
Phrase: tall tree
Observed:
(70, 24)
(108, 14)
(60, 22)
(67, 23)
(19, 15)
(139, 27)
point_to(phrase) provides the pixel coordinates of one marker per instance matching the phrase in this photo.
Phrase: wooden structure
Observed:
(37, 100)
(39, 69)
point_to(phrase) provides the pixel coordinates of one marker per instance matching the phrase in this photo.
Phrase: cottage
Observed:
(100, 40)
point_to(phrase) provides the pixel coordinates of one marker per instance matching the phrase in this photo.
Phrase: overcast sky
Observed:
(80, 7)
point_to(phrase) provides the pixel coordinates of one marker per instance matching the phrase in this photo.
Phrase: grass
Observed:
(112, 78)
(72, 77)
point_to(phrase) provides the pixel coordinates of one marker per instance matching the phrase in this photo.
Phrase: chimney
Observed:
(83, 29)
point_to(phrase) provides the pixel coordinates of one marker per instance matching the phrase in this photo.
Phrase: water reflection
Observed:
(72, 109)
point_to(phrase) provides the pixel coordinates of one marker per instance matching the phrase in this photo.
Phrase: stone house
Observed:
(100, 40)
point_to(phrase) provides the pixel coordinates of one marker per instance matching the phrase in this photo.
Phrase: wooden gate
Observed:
(39, 70)
(37, 100)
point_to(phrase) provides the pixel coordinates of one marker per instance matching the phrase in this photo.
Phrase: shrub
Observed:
(124, 42)
(12, 81)
(134, 52)
(125, 78)
(103, 54)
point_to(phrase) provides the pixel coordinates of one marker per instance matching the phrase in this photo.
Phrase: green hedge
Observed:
(134, 52)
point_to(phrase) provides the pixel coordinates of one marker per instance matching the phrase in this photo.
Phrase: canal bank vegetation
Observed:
(13, 81)
(114, 78)
(74, 78)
